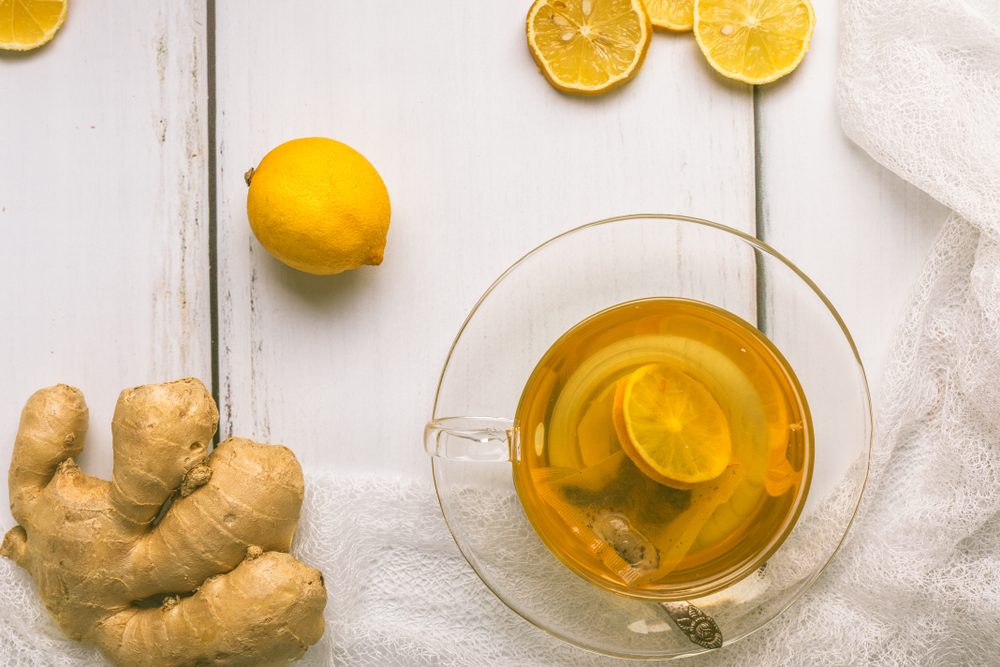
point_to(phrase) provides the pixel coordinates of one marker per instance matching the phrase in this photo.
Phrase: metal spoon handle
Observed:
(696, 625)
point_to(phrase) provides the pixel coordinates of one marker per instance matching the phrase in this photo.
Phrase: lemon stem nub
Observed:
(248, 175)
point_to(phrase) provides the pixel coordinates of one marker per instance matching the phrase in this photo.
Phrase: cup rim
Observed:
(767, 250)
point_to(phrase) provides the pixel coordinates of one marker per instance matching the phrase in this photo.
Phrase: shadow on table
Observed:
(15, 56)
(321, 293)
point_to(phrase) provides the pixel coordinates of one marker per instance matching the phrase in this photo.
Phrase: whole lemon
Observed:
(318, 206)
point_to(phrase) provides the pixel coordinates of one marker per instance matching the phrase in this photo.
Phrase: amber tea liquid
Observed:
(611, 523)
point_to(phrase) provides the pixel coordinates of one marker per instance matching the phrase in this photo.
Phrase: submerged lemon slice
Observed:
(588, 46)
(676, 15)
(28, 24)
(755, 41)
(674, 429)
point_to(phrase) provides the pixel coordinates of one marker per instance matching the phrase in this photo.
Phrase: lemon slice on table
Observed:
(754, 41)
(28, 24)
(673, 428)
(588, 46)
(676, 15)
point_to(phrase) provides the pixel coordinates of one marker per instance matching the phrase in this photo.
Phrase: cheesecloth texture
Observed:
(917, 582)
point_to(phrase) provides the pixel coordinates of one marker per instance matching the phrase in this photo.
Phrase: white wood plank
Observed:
(483, 160)
(859, 231)
(103, 207)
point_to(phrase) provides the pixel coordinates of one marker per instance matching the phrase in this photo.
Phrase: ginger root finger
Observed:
(160, 432)
(99, 563)
(251, 616)
(53, 424)
(252, 497)
(15, 545)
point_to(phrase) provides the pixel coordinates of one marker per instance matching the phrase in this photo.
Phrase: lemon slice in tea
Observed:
(676, 15)
(754, 41)
(675, 429)
(588, 46)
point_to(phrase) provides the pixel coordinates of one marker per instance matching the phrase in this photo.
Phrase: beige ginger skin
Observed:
(211, 583)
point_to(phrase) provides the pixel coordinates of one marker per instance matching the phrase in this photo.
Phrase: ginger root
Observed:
(181, 559)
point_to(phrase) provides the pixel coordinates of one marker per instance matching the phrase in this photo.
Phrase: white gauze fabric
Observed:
(918, 582)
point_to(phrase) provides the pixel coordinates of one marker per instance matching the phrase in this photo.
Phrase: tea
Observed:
(664, 448)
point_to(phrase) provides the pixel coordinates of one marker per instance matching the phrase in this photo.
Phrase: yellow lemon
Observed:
(673, 428)
(588, 46)
(319, 206)
(754, 41)
(27, 24)
(676, 15)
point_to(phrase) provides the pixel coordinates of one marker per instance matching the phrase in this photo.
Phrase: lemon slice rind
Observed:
(9, 42)
(567, 85)
(702, 26)
(663, 15)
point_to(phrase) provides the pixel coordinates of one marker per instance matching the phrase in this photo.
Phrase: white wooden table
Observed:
(126, 255)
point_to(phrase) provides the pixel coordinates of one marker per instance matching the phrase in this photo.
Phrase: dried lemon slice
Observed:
(676, 431)
(28, 24)
(676, 15)
(754, 41)
(588, 46)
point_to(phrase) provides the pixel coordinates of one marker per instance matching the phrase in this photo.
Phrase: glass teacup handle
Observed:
(482, 439)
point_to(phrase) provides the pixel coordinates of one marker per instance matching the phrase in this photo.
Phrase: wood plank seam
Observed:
(213, 206)
(759, 223)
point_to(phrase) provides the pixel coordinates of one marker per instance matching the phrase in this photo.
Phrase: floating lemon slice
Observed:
(588, 46)
(676, 15)
(674, 429)
(755, 41)
(28, 24)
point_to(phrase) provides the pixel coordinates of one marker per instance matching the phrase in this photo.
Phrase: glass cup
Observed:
(472, 437)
